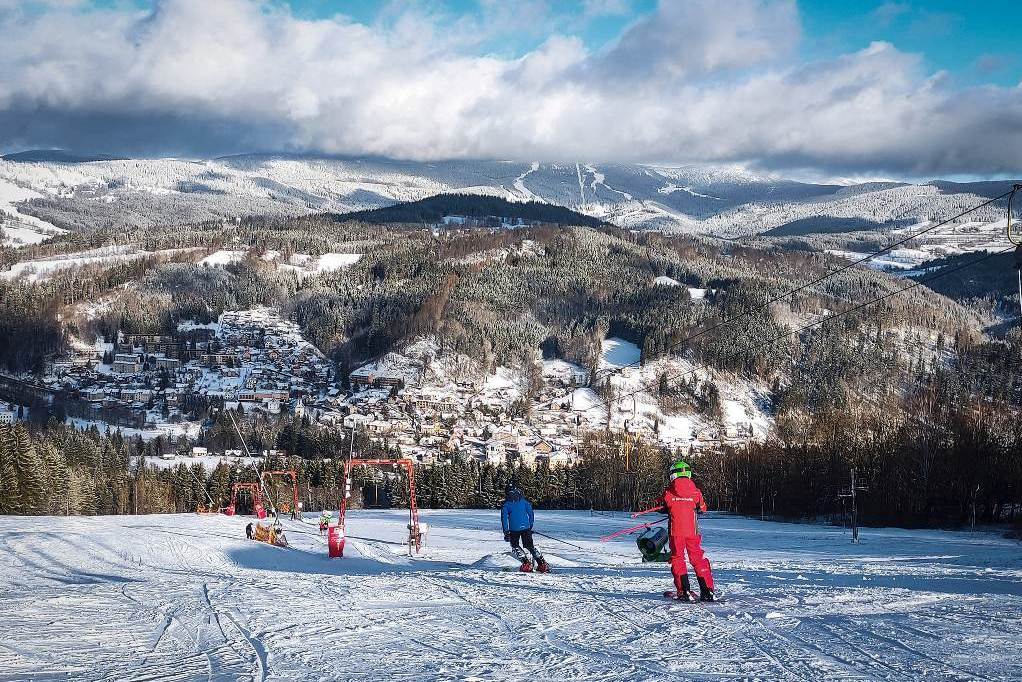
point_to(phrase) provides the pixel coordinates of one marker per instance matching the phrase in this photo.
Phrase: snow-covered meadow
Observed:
(186, 597)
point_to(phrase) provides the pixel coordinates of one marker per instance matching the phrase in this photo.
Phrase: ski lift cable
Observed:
(1011, 196)
(798, 330)
(1017, 244)
(848, 266)
(750, 310)
(260, 469)
(202, 485)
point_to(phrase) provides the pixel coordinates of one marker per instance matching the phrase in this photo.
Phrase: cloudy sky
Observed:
(912, 88)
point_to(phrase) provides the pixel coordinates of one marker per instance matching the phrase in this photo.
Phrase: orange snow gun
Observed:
(271, 535)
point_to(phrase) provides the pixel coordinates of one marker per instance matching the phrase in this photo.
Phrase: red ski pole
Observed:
(657, 508)
(626, 531)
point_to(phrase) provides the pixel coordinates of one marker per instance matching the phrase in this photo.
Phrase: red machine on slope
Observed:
(414, 534)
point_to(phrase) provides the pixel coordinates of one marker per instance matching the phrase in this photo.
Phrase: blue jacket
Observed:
(516, 514)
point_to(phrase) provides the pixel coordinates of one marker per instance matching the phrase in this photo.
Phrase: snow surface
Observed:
(618, 353)
(41, 268)
(19, 229)
(223, 257)
(186, 597)
(329, 262)
(208, 462)
(724, 200)
(164, 430)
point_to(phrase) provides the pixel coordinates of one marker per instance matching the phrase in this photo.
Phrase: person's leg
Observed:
(516, 550)
(696, 557)
(678, 569)
(529, 545)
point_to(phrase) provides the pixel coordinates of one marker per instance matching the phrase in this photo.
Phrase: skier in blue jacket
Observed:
(517, 519)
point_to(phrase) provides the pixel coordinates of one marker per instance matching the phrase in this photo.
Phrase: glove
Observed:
(507, 536)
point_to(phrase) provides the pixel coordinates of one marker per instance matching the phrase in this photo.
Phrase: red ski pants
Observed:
(693, 544)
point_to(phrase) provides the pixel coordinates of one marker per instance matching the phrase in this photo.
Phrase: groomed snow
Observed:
(329, 262)
(41, 268)
(223, 257)
(619, 353)
(165, 430)
(186, 597)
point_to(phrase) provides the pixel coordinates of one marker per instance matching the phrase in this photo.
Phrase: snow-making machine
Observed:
(652, 544)
(270, 533)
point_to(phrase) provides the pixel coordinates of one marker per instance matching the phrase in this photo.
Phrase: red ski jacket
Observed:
(681, 500)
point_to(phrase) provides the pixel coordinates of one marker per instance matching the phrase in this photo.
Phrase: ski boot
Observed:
(705, 593)
(526, 566)
(541, 565)
(684, 591)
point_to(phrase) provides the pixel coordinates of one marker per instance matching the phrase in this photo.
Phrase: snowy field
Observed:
(186, 597)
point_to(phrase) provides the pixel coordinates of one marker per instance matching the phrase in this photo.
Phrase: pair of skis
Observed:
(673, 596)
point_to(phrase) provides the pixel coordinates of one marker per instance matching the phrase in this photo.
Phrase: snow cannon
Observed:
(270, 534)
(651, 544)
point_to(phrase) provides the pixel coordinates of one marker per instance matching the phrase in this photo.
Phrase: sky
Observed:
(904, 88)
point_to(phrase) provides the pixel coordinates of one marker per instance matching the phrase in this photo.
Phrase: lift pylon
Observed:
(414, 534)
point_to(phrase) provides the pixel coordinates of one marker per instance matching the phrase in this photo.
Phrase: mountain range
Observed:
(71, 191)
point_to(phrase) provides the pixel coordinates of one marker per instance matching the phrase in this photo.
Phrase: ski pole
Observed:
(657, 508)
(549, 537)
(626, 531)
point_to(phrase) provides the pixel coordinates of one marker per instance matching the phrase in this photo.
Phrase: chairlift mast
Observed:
(851, 494)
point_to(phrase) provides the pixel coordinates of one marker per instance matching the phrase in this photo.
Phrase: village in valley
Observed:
(427, 405)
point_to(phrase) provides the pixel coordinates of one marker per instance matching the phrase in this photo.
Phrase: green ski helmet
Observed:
(680, 469)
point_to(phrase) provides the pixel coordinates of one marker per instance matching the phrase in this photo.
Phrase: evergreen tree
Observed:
(10, 498)
(30, 474)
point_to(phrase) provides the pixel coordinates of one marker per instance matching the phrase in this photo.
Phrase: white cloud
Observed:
(690, 82)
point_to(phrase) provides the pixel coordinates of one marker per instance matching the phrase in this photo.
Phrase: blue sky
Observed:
(868, 87)
(976, 42)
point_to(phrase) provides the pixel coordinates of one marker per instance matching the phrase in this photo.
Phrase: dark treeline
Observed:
(493, 296)
(432, 210)
(943, 465)
(61, 471)
(915, 475)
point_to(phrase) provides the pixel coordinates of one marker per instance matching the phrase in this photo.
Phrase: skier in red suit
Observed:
(682, 501)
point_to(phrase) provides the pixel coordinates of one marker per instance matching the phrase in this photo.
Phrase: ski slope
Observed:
(186, 597)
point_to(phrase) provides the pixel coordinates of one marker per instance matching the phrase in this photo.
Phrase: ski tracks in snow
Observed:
(187, 598)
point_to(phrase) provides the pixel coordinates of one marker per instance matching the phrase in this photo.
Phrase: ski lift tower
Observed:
(851, 494)
(414, 533)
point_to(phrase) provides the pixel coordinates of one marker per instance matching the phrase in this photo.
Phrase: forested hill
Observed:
(433, 209)
(994, 278)
(56, 156)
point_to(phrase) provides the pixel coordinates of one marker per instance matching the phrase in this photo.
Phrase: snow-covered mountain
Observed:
(723, 200)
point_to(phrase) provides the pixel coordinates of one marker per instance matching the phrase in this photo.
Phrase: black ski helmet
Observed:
(511, 491)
